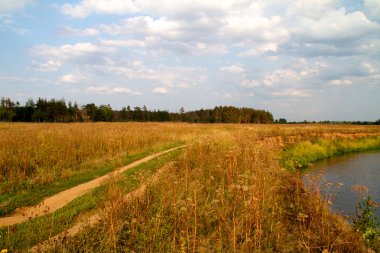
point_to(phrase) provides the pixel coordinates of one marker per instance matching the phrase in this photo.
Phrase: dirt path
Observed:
(95, 218)
(61, 199)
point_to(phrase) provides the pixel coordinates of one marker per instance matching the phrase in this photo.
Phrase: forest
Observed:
(57, 110)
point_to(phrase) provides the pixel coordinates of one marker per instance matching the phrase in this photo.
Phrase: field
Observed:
(231, 188)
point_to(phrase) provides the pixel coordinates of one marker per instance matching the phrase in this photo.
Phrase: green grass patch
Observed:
(303, 153)
(28, 234)
(35, 194)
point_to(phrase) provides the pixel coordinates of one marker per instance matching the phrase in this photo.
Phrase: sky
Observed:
(301, 60)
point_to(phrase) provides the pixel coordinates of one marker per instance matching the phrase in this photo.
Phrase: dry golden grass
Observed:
(32, 154)
(225, 193)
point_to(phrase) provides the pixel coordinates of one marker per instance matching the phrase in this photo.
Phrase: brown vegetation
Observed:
(33, 154)
(225, 193)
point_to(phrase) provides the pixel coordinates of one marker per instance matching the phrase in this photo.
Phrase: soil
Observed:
(97, 217)
(61, 199)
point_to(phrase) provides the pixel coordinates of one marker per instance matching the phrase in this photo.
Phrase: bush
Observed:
(365, 221)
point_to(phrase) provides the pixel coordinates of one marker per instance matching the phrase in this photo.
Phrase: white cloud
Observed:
(124, 43)
(236, 69)
(6, 19)
(260, 49)
(9, 6)
(69, 50)
(48, 66)
(160, 90)
(201, 48)
(163, 34)
(87, 7)
(204, 28)
(189, 8)
(107, 90)
(370, 68)
(180, 77)
(335, 26)
(69, 31)
(311, 9)
(340, 82)
(292, 93)
(71, 78)
(248, 26)
(196, 27)
(18, 79)
(281, 76)
(372, 9)
(299, 71)
(250, 84)
(271, 58)
(9, 18)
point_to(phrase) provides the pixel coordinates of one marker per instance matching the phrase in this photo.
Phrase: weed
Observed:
(366, 222)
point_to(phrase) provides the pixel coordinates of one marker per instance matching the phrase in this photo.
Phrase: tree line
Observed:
(57, 110)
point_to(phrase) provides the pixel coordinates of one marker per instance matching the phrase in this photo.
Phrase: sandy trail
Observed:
(95, 218)
(61, 199)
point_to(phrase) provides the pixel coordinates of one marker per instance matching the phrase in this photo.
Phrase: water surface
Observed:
(349, 170)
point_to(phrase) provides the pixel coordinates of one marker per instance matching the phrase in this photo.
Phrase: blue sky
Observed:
(301, 60)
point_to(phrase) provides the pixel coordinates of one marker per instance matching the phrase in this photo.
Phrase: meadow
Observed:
(233, 188)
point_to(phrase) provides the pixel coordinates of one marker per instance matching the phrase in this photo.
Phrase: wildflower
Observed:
(302, 216)
(4, 251)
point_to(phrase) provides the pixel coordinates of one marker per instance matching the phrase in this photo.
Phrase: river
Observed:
(336, 176)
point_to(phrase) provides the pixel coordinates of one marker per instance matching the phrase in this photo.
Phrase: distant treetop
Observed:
(55, 110)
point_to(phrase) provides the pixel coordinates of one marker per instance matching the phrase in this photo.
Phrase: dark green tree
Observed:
(7, 109)
(91, 111)
(104, 113)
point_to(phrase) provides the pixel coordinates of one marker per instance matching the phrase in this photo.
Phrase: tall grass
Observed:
(20, 237)
(34, 154)
(226, 193)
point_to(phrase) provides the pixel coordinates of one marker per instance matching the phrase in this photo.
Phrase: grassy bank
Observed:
(305, 152)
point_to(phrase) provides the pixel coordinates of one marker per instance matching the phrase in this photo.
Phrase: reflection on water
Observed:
(349, 170)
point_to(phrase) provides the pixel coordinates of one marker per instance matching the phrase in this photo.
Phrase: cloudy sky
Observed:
(301, 60)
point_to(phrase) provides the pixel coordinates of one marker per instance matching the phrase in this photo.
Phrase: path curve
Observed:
(61, 199)
(95, 218)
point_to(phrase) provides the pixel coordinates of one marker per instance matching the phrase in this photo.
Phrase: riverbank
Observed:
(333, 186)
(305, 152)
